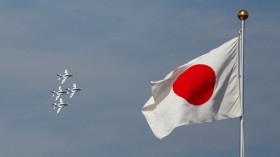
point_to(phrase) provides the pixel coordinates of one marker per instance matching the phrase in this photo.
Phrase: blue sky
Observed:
(115, 48)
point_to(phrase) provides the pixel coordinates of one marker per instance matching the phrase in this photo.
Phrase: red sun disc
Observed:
(196, 84)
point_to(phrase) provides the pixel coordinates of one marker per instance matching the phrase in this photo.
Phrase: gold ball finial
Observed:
(243, 15)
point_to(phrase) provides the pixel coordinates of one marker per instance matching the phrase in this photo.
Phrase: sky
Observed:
(115, 48)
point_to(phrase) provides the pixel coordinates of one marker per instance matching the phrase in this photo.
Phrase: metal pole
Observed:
(242, 15)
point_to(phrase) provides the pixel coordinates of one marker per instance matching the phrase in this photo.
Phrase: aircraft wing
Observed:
(57, 97)
(72, 94)
(58, 110)
(63, 80)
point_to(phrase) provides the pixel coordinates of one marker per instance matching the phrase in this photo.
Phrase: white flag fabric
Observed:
(203, 90)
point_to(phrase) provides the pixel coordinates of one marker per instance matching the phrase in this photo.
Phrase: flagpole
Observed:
(242, 15)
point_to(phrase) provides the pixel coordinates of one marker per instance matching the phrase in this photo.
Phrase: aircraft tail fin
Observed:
(54, 106)
(59, 76)
(53, 93)
(67, 90)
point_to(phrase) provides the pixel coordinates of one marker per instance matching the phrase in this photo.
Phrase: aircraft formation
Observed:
(58, 105)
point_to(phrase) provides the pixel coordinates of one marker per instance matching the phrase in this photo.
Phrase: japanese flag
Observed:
(203, 90)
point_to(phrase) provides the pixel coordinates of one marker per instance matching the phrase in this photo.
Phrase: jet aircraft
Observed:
(58, 93)
(73, 90)
(64, 76)
(59, 105)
